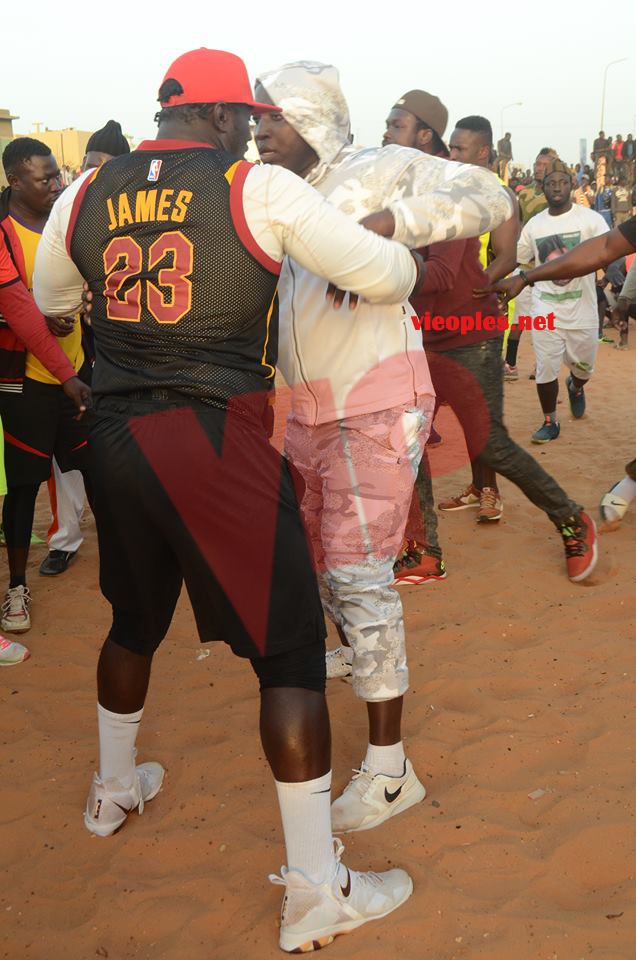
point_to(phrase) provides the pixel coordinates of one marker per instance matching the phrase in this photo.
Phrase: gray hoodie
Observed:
(341, 364)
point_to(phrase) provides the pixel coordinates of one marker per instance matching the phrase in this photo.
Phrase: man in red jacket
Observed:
(466, 372)
(39, 420)
(19, 316)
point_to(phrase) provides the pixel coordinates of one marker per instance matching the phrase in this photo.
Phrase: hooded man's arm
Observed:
(442, 200)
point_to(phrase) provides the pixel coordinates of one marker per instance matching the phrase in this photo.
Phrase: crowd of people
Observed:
(176, 279)
(607, 184)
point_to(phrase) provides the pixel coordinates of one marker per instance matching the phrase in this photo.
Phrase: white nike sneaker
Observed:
(337, 664)
(369, 800)
(313, 914)
(109, 803)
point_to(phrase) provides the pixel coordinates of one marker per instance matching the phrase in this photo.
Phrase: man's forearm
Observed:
(28, 324)
(501, 266)
(589, 256)
(468, 204)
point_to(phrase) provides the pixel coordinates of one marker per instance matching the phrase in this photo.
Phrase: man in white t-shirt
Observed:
(568, 306)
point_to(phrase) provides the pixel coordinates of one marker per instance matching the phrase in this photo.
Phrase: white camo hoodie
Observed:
(342, 363)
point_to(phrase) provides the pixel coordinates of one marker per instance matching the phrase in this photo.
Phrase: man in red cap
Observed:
(181, 243)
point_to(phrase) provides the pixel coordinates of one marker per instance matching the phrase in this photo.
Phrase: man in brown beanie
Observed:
(418, 120)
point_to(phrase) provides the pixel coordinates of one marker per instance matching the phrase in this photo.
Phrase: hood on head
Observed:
(310, 97)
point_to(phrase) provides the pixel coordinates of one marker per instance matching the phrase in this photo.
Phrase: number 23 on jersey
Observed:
(123, 261)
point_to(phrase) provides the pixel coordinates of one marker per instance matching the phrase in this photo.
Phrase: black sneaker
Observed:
(56, 562)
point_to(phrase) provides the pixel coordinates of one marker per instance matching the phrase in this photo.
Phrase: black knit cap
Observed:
(109, 139)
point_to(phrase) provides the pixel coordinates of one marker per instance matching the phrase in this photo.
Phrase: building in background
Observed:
(68, 145)
(6, 136)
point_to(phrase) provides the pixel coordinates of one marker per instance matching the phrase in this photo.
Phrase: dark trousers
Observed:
(470, 379)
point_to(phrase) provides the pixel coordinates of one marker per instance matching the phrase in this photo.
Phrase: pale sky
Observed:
(105, 60)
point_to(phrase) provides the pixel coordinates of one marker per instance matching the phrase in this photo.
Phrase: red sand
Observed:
(521, 681)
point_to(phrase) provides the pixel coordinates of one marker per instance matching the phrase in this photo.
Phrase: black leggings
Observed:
(17, 520)
(17, 514)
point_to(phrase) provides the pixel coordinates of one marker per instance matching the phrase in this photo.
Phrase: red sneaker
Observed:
(416, 567)
(469, 498)
(581, 549)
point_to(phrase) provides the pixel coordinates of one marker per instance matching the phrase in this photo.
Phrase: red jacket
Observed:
(453, 271)
(22, 326)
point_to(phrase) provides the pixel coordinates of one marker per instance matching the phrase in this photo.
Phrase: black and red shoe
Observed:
(581, 549)
(415, 566)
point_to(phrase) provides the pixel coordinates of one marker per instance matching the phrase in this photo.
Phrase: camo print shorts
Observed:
(359, 475)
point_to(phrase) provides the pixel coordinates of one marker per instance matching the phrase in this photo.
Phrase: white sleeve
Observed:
(444, 200)
(57, 283)
(287, 216)
(525, 247)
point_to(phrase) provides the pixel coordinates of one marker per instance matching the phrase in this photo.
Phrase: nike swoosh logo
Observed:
(390, 797)
(347, 889)
(615, 503)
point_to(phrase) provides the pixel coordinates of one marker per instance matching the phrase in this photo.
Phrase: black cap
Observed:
(109, 139)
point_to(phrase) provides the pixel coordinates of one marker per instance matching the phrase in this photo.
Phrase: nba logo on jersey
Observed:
(153, 173)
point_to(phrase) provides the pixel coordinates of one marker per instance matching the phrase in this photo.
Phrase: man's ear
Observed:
(220, 114)
(424, 137)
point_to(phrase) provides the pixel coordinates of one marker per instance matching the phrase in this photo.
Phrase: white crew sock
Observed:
(626, 489)
(117, 736)
(305, 809)
(387, 760)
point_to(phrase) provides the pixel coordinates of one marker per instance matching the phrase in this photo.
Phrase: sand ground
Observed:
(521, 682)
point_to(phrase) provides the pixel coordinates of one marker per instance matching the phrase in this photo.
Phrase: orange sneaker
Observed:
(469, 498)
(581, 549)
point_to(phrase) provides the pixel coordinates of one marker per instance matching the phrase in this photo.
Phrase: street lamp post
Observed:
(610, 64)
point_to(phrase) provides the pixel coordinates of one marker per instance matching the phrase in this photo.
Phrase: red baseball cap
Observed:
(212, 76)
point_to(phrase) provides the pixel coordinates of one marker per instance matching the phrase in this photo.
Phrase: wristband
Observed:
(528, 282)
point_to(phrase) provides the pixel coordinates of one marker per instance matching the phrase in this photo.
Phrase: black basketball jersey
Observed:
(182, 296)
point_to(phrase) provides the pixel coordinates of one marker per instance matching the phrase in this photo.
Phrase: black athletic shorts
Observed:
(40, 424)
(187, 492)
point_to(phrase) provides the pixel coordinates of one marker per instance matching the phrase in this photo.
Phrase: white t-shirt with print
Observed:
(544, 237)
